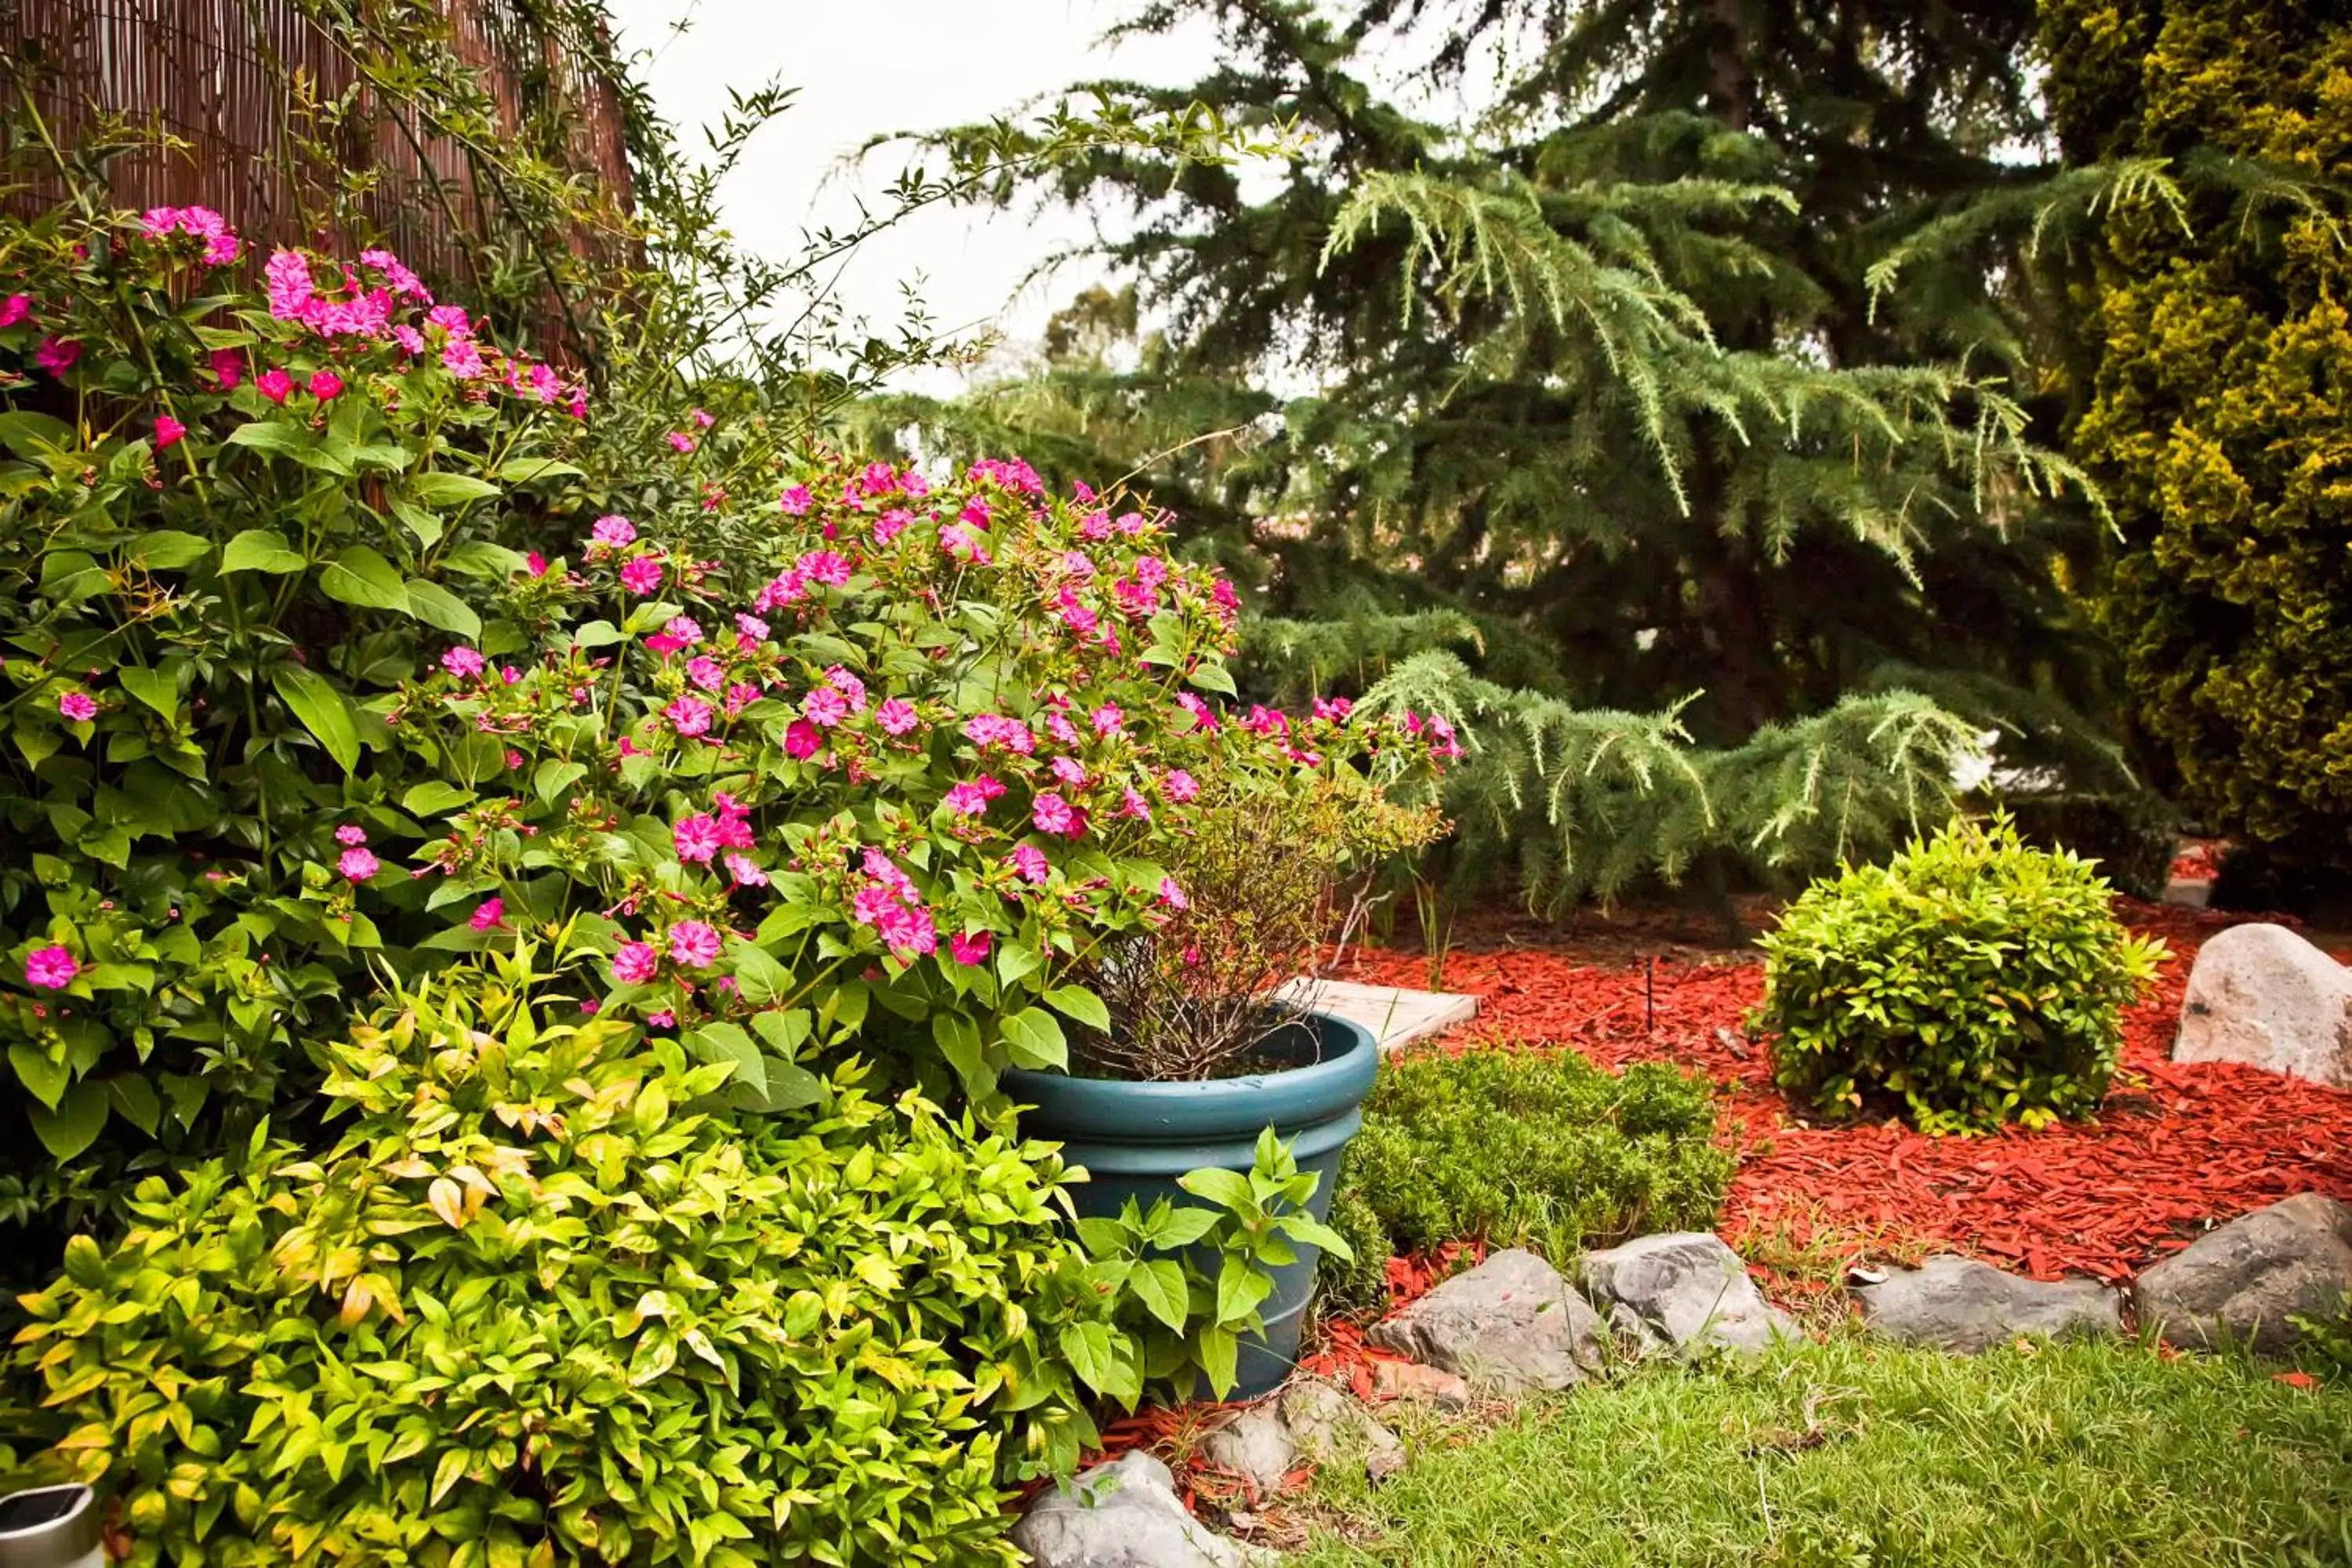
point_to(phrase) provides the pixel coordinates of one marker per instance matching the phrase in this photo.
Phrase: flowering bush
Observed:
(227, 524)
(534, 1306)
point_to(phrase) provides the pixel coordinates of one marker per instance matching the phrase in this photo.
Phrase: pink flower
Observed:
(535, 564)
(702, 419)
(1173, 896)
(1133, 804)
(464, 360)
(987, 730)
(1202, 717)
(287, 275)
(891, 524)
(1054, 815)
(706, 672)
(750, 629)
(684, 628)
(1107, 720)
(690, 716)
(50, 968)
(1062, 730)
(824, 706)
(14, 309)
(665, 1019)
(402, 279)
(1030, 863)
(962, 543)
(803, 740)
(488, 914)
(679, 441)
(57, 355)
(970, 949)
(463, 662)
(972, 799)
(513, 758)
(229, 368)
(358, 865)
(740, 696)
(325, 386)
(274, 384)
(612, 530)
(411, 341)
(642, 576)
(693, 945)
(897, 716)
(696, 839)
(351, 832)
(824, 566)
(632, 963)
(796, 500)
(450, 319)
(1179, 785)
(78, 706)
(746, 874)
(1070, 771)
(852, 690)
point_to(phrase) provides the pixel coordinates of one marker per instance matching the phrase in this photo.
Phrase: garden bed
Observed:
(2177, 1146)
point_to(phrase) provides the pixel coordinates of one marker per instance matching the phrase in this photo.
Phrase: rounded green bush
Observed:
(1977, 979)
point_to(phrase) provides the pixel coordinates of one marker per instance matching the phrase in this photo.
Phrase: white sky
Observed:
(866, 67)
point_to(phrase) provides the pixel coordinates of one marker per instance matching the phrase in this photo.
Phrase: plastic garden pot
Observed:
(50, 1527)
(1135, 1139)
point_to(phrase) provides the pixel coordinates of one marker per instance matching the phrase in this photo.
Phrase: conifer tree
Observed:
(1602, 414)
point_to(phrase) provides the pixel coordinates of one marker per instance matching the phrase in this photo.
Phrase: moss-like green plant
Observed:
(1976, 980)
(1521, 1146)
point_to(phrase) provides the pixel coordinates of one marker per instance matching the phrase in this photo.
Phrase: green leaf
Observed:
(261, 550)
(155, 688)
(481, 559)
(26, 433)
(166, 549)
(1214, 678)
(433, 797)
(324, 711)
(757, 976)
(720, 1042)
(43, 1079)
(1314, 1233)
(436, 606)
(135, 1099)
(1099, 1360)
(272, 436)
(1183, 1227)
(958, 1039)
(1240, 1286)
(75, 1125)
(361, 576)
(1229, 1190)
(526, 471)
(1159, 1286)
(597, 634)
(1077, 1001)
(451, 490)
(1035, 1040)
(1220, 1354)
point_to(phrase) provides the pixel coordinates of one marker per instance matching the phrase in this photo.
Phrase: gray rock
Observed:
(2244, 1282)
(1685, 1286)
(2263, 996)
(1963, 1305)
(1121, 1515)
(1327, 1427)
(1508, 1326)
(1256, 1445)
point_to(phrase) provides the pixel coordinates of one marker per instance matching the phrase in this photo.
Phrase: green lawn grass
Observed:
(1852, 1453)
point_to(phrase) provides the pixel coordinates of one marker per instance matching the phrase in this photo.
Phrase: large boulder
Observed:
(1686, 1289)
(1121, 1515)
(2246, 1281)
(1961, 1304)
(2262, 996)
(1508, 1326)
(1308, 1423)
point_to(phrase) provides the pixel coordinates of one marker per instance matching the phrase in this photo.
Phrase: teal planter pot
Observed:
(1135, 1139)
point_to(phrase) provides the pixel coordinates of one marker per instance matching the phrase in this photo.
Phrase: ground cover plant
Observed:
(1974, 979)
(1521, 1147)
(1853, 1453)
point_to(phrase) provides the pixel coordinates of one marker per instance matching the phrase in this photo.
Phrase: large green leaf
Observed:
(361, 576)
(324, 711)
(77, 1122)
(155, 688)
(1035, 1040)
(167, 549)
(436, 606)
(1159, 1286)
(451, 490)
(261, 550)
(272, 436)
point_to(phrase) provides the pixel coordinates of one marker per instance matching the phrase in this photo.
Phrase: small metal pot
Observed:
(50, 1527)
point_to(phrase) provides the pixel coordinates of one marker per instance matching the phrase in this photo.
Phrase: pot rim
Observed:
(1067, 1105)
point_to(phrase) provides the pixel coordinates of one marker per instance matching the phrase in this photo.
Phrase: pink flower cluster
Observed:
(221, 245)
(890, 904)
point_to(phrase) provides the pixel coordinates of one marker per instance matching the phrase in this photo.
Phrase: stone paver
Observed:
(1394, 1014)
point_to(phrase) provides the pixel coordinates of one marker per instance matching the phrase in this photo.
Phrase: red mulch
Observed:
(2177, 1146)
